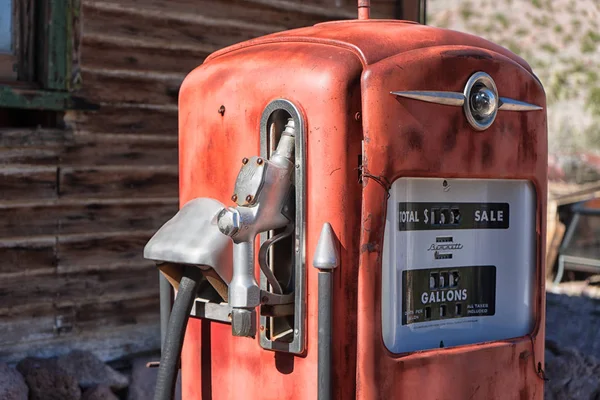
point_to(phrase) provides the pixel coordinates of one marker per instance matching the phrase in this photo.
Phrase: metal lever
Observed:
(262, 258)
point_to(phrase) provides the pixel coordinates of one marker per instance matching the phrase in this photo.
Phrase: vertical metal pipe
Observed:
(326, 260)
(325, 334)
(166, 303)
(364, 9)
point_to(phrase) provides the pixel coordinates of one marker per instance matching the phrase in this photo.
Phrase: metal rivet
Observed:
(262, 328)
(244, 161)
(259, 161)
(296, 332)
(234, 197)
(249, 198)
(357, 116)
(222, 110)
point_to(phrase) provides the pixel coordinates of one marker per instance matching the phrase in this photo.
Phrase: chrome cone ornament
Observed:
(480, 100)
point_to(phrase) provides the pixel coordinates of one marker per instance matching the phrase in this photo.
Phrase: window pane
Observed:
(5, 26)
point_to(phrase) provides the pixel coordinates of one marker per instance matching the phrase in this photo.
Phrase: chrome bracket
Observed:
(277, 306)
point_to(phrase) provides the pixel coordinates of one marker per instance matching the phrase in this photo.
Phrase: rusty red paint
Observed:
(333, 71)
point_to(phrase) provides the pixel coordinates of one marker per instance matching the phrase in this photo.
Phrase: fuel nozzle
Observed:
(262, 193)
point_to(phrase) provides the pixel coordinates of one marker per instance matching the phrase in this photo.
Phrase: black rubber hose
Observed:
(169, 359)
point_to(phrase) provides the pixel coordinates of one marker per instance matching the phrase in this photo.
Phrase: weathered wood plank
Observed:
(108, 344)
(32, 137)
(106, 286)
(30, 156)
(121, 149)
(180, 27)
(110, 86)
(100, 253)
(24, 182)
(124, 312)
(18, 328)
(53, 323)
(64, 216)
(281, 14)
(21, 294)
(119, 118)
(32, 146)
(333, 9)
(121, 181)
(132, 53)
(26, 257)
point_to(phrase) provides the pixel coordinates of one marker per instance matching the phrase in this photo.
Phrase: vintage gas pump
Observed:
(362, 217)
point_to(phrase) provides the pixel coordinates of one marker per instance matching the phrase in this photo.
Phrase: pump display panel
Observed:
(458, 263)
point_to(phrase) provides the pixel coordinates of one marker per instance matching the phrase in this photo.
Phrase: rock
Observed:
(90, 371)
(143, 380)
(47, 380)
(12, 384)
(572, 320)
(571, 374)
(99, 393)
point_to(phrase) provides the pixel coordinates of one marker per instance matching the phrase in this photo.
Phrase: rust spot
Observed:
(450, 138)
(415, 140)
(524, 393)
(487, 155)
(369, 247)
(524, 355)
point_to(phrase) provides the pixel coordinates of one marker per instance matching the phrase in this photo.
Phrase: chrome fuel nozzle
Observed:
(262, 192)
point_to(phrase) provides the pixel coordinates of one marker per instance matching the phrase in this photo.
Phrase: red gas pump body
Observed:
(340, 75)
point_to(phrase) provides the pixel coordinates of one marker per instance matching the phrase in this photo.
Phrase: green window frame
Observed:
(46, 38)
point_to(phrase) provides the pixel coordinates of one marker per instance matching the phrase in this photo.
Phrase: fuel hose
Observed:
(169, 359)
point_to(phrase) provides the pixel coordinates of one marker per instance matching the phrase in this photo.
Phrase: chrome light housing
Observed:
(482, 101)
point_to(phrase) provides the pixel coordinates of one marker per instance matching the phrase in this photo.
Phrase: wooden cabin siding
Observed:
(78, 203)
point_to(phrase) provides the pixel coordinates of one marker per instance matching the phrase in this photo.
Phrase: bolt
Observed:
(222, 110)
(357, 116)
(259, 161)
(297, 166)
(234, 198)
(296, 332)
(249, 198)
(262, 328)
(244, 161)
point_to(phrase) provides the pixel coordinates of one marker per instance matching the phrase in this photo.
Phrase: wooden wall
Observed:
(78, 202)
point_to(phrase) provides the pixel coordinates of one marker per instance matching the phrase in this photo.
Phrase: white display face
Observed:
(458, 262)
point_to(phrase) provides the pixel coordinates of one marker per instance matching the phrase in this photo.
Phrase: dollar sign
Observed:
(426, 216)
